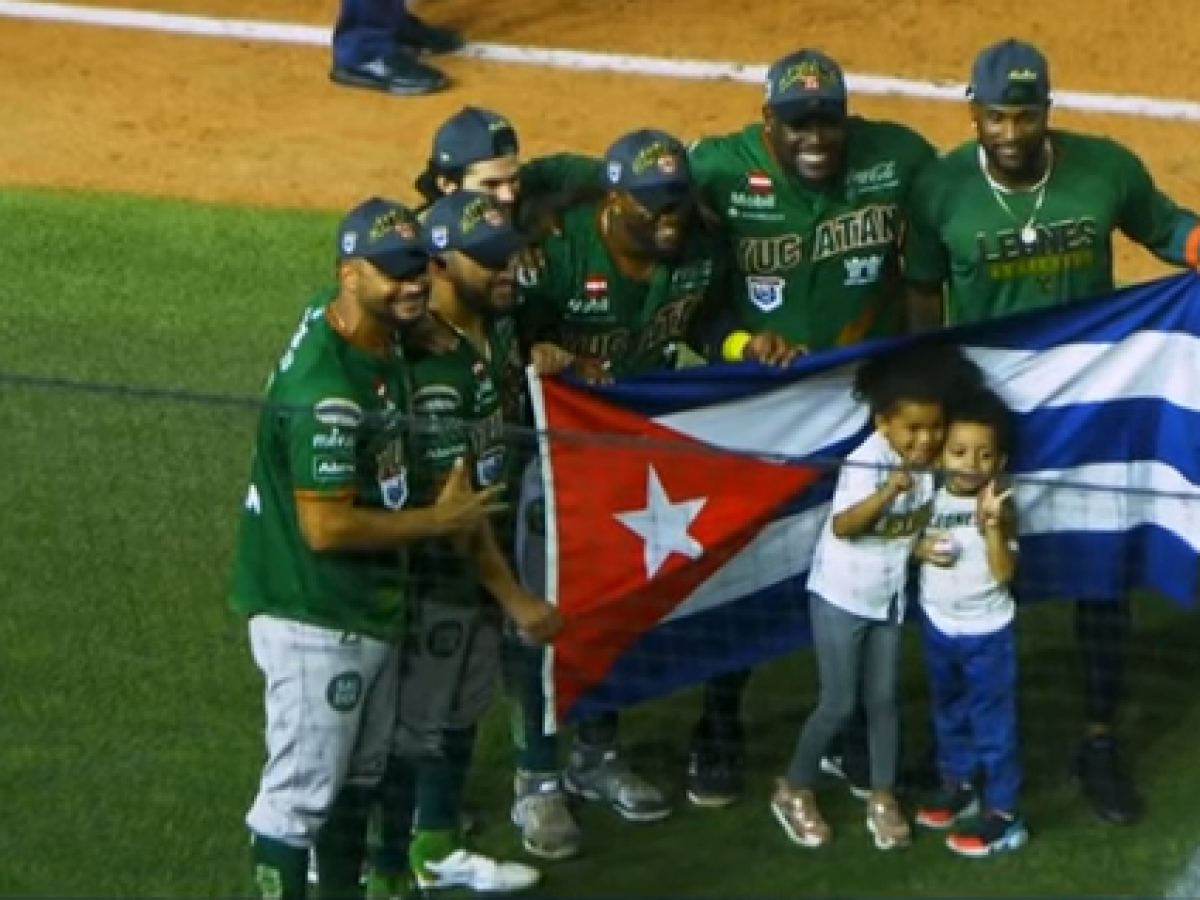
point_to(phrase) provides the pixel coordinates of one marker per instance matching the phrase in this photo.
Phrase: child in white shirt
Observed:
(968, 557)
(857, 582)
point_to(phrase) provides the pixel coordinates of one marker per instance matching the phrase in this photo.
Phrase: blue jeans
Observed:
(973, 693)
(366, 30)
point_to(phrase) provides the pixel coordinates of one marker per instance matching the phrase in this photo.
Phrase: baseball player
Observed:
(810, 198)
(623, 282)
(451, 662)
(478, 150)
(1022, 217)
(322, 554)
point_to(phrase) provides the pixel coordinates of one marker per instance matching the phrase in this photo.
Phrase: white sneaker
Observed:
(475, 872)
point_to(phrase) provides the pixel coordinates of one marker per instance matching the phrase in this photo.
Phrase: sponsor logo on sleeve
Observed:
(338, 411)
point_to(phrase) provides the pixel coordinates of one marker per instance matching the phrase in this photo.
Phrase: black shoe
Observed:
(1104, 783)
(399, 74)
(715, 775)
(422, 37)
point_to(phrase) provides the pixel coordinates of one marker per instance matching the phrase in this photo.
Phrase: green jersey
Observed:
(582, 301)
(329, 429)
(460, 396)
(1002, 252)
(819, 267)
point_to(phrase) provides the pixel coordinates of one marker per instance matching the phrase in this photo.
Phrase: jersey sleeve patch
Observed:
(338, 411)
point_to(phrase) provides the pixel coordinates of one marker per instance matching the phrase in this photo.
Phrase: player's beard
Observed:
(477, 299)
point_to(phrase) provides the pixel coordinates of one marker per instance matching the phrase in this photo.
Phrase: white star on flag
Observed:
(663, 525)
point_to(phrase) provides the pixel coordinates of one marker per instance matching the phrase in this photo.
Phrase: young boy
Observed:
(968, 557)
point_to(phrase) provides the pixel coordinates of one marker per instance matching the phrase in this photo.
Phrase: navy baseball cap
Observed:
(474, 224)
(473, 135)
(650, 165)
(1010, 73)
(385, 234)
(806, 83)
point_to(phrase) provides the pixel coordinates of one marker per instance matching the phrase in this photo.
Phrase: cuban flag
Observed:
(682, 508)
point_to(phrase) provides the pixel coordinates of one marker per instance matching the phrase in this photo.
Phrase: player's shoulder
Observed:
(313, 366)
(950, 167)
(888, 136)
(1093, 149)
(731, 147)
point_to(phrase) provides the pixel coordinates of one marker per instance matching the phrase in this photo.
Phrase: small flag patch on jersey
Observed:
(595, 286)
(759, 182)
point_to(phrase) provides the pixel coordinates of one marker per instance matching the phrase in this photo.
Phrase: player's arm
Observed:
(321, 441)
(924, 256)
(534, 616)
(551, 184)
(1151, 218)
(1000, 541)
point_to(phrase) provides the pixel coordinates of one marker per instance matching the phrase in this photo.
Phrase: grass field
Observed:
(130, 707)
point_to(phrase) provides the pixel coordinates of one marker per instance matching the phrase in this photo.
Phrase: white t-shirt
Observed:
(965, 598)
(866, 575)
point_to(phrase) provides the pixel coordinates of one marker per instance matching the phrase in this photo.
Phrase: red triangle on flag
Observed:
(643, 515)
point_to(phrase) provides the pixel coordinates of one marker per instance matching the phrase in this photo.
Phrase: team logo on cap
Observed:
(1022, 75)
(440, 235)
(668, 164)
(614, 172)
(652, 156)
(405, 229)
(349, 242)
(808, 75)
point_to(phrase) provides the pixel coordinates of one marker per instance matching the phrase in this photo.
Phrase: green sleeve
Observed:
(926, 261)
(320, 431)
(1145, 214)
(559, 173)
(705, 162)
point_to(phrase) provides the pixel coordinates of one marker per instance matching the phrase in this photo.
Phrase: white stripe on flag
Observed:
(1148, 364)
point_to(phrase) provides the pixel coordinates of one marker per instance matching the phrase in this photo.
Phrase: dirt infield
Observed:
(228, 120)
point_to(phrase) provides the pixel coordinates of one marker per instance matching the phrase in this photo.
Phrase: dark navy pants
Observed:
(366, 30)
(973, 695)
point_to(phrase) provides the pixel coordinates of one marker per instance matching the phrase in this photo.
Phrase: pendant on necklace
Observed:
(1029, 235)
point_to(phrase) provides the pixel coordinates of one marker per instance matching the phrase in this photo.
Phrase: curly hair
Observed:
(924, 373)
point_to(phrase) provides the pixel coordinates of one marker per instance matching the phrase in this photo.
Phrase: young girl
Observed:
(857, 582)
(968, 558)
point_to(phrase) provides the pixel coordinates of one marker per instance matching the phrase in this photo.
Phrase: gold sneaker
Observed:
(797, 814)
(886, 822)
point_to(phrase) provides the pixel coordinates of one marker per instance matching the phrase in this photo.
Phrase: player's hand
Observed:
(772, 349)
(531, 259)
(899, 482)
(933, 549)
(550, 359)
(459, 507)
(537, 620)
(990, 504)
(591, 370)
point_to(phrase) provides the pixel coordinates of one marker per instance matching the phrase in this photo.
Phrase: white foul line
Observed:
(577, 60)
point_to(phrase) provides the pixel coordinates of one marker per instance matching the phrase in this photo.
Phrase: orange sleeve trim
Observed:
(1191, 248)
(323, 496)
